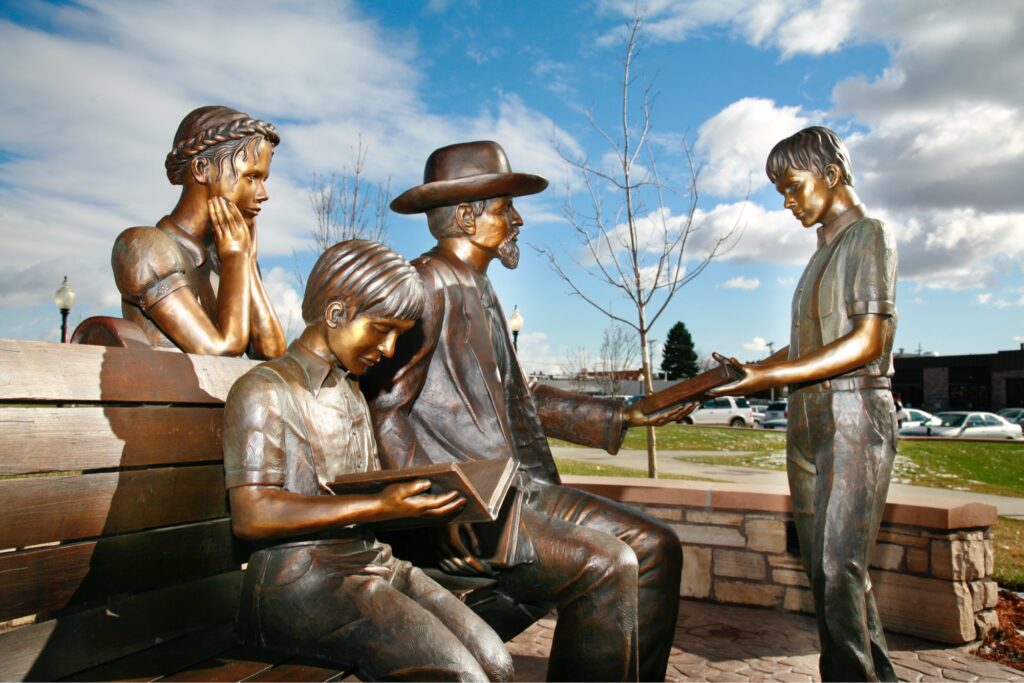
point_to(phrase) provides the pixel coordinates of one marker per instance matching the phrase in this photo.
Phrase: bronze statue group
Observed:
(404, 364)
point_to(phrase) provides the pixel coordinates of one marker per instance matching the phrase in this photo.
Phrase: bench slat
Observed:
(52, 579)
(48, 439)
(297, 671)
(178, 654)
(59, 648)
(46, 509)
(45, 371)
(238, 664)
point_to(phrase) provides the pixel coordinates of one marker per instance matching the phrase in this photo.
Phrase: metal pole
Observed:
(64, 325)
(515, 341)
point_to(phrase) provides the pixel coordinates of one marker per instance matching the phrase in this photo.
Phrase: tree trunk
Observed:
(652, 445)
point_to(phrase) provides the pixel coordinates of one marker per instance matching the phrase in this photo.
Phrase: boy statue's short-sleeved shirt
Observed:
(854, 274)
(296, 423)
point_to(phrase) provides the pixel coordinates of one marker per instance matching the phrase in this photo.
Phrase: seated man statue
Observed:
(192, 281)
(322, 585)
(455, 391)
(841, 436)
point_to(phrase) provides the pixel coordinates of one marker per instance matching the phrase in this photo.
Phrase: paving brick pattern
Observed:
(724, 643)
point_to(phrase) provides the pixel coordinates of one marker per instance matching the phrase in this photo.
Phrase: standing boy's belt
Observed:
(845, 384)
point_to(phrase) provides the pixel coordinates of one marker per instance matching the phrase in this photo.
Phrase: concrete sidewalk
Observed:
(667, 463)
(725, 643)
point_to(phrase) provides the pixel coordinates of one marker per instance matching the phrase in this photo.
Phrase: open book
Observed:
(483, 483)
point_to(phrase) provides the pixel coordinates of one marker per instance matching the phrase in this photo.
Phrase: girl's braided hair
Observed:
(216, 133)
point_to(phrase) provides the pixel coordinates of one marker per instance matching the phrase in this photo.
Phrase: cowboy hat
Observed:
(466, 172)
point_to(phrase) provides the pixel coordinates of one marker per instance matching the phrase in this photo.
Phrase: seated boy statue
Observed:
(322, 585)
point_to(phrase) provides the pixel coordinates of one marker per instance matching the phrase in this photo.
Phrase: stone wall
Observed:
(739, 547)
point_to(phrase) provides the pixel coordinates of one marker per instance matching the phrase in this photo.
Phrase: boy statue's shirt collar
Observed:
(828, 232)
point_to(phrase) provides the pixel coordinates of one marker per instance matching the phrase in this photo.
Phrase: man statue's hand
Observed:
(459, 550)
(636, 418)
(407, 499)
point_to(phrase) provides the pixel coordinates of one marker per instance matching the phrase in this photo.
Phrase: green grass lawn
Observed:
(1008, 542)
(676, 437)
(982, 467)
(567, 466)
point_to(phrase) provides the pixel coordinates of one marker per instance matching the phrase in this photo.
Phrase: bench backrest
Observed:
(114, 530)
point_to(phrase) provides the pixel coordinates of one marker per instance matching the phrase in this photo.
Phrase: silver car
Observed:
(971, 425)
(1014, 415)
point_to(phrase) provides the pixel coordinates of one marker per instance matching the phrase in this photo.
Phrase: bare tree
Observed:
(618, 355)
(638, 248)
(575, 366)
(347, 206)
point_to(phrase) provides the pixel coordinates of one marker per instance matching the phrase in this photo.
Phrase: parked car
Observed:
(758, 413)
(967, 424)
(1014, 415)
(725, 410)
(776, 415)
(777, 410)
(916, 418)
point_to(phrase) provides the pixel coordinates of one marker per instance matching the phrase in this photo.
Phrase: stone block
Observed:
(917, 560)
(798, 600)
(887, 556)
(760, 594)
(785, 561)
(984, 594)
(906, 538)
(901, 599)
(986, 621)
(709, 535)
(739, 564)
(666, 513)
(766, 535)
(959, 560)
(789, 577)
(706, 517)
(990, 559)
(696, 582)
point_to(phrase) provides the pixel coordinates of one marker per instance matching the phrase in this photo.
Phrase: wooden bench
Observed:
(117, 559)
(116, 553)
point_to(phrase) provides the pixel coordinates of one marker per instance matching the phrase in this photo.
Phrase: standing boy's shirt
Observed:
(853, 274)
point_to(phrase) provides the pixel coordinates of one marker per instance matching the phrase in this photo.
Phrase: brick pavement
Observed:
(717, 642)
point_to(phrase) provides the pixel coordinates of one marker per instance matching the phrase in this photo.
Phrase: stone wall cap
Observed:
(907, 509)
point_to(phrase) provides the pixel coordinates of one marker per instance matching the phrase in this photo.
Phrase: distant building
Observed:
(984, 381)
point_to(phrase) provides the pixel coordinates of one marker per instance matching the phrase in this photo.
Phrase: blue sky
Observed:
(926, 94)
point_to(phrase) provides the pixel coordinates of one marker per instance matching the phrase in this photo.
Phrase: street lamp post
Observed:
(64, 297)
(515, 323)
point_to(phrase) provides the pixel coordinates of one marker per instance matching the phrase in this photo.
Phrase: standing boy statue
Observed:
(322, 585)
(841, 437)
(455, 391)
(192, 281)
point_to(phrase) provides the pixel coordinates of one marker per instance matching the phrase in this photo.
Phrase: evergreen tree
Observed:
(678, 358)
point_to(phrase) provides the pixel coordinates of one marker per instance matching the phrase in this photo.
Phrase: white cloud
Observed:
(287, 300)
(984, 298)
(740, 282)
(536, 354)
(90, 107)
(938, 141)
(758, 344)
(792, 26)
(736, 141)
(767, 236)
